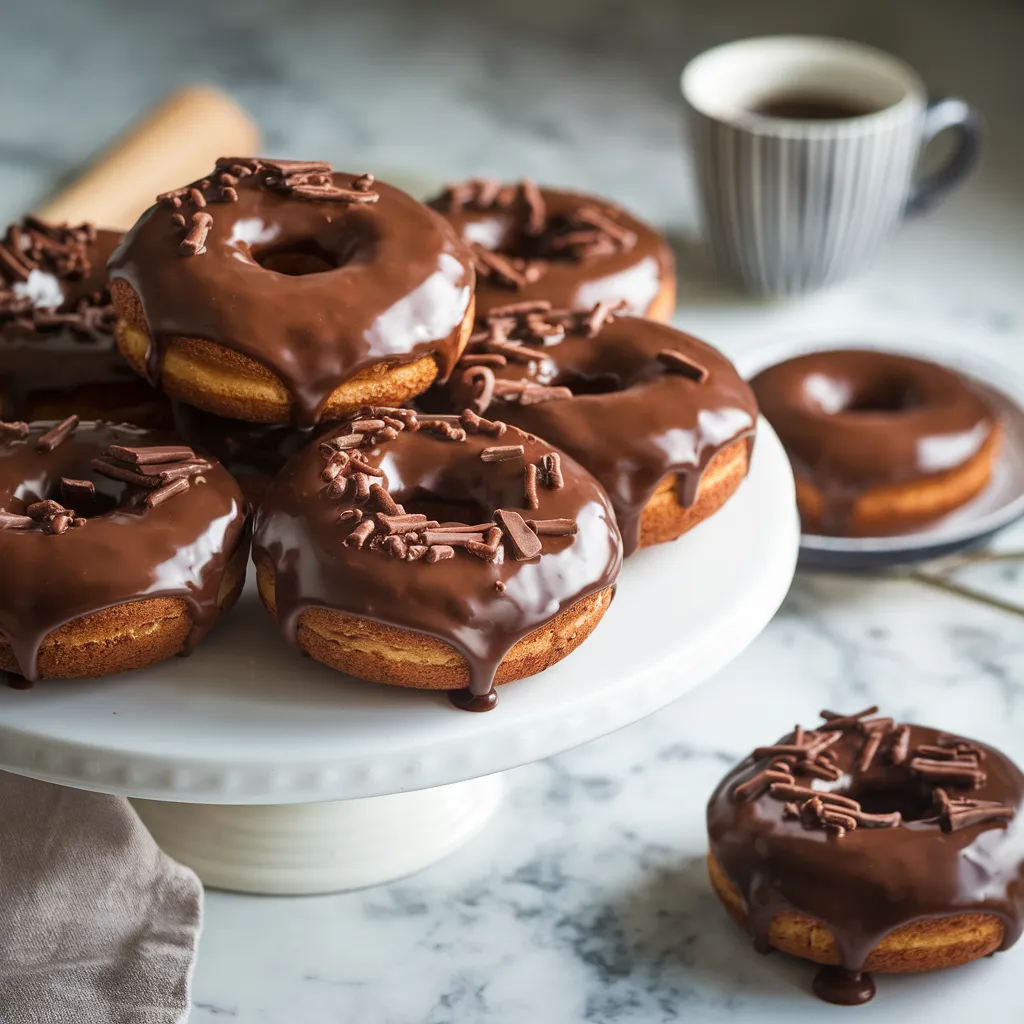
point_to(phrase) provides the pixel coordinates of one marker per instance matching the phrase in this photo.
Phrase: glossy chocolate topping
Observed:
(867, 826)
(631, 400)
(57, 351)
(313, 273)
(80, 533)
(475, 534)
(855, 419)
(540, 243)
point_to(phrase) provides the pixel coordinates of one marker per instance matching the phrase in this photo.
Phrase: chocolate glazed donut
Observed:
(880, 443)
(275, 290)
(867, 845)
(435, 553)
(119, 548)
(662, 420)
(571, 249)
(57, 351)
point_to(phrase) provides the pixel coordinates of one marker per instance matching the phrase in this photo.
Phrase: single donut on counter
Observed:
(662, 420)
(866, 845)
(57, 351)
(880, 443)
(417, 551)
(253, 453)
(276, 290)
(119, 548)
(571, 249)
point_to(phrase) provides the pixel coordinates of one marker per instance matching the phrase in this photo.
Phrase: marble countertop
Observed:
(586, 899)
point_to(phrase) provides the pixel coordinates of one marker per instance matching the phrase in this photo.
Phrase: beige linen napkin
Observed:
(97, 925)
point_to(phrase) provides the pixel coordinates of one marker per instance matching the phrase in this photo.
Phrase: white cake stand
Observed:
(269, 773)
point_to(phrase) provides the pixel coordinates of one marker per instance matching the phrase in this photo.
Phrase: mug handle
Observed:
(959, 116)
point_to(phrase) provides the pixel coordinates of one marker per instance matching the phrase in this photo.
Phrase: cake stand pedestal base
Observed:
(298, 849)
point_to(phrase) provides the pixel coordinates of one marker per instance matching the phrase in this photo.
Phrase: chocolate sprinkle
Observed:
(55, 435)
(525, 543)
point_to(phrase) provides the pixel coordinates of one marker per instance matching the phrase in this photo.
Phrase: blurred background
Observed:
(572, 92)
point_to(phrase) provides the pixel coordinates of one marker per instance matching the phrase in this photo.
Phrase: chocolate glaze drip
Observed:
(633, 420)
(918, 852)
(124, 552)
(842, 987)
(59, 357)
(392, 282)
(855, 419)
(500, 222)
(480, 605)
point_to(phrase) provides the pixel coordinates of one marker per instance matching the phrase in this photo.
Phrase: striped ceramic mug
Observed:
(805, 151)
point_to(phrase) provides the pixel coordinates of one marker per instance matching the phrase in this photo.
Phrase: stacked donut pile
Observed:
(449, 422)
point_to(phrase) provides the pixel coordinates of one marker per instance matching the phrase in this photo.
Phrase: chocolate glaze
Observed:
(635, 275)
(480, 607)
(124, 552)
(855, 419)
(396, 284)
(868, 882)
(632, 421)
(54, 370)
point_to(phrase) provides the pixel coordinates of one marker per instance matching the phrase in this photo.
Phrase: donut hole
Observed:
(299, 260)
(890, 395)
(885, 395)
(913, 800)
(419, 502)
(604, 385)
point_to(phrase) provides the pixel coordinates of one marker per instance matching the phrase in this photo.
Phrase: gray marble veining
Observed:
(586, 899)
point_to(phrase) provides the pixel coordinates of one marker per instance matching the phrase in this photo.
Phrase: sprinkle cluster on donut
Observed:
(571, 249)
(848, 844)
(119, 547)
(57, 352)
(343, 291)
(880, 442)
(439, 552)
(662, 420)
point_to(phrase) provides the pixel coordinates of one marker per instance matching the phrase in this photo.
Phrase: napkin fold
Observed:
(97, 924)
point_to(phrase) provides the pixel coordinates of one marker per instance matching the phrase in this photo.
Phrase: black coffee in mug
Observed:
(798, 188)
(810, 107)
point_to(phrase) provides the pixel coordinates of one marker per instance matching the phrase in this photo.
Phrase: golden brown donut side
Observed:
(895, 507)
(925, 945)
(127, 636)
(228, 383)
(386, 654)
(665, 519)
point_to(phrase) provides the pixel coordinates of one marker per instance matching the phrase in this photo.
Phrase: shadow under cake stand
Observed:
(267, 772)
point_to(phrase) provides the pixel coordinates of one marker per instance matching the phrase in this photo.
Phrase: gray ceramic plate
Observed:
(999, 505)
